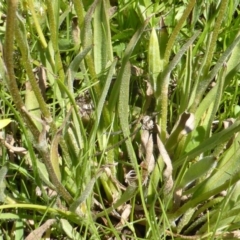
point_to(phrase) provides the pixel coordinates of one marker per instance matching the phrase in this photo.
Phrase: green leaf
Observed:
(4, 122)
(155, 64)
(85, 194)
(227, 167)
(234, 59)
(74, 67)
(197, 170)
(69, 229)
(19, 230)
(183, 126)
(54, 154)
(162, 87)
(123, 111)
(127, 54)
(102, 37)
(205, 83)
(32, 105)
(185, 219)
(210, 143)
(130, 192)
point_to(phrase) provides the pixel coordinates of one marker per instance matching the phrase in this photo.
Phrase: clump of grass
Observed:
(124, 119)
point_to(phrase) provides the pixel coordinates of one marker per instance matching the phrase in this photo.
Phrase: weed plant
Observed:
(119, 119)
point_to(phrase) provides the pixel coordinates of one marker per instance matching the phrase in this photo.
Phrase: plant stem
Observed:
(28, 67)
(9, 62)
(37, 25)
(220, 17)
(177, 30)
(79, 11)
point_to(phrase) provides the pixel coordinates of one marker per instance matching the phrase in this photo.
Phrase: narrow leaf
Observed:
(102, 38)
(123, 109)
(154, 61)
(130, 47)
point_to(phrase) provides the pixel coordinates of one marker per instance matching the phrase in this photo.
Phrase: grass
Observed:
(119, 119)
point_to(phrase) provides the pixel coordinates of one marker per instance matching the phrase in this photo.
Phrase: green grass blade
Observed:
(102, 37)
(127, 54)
(74, 66)
(154, 61)
(123, 109)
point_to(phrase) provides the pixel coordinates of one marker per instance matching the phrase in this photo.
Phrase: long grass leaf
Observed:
(154, 61)
(123, 111)
(127, 54)
(102, 38)
(74, 66)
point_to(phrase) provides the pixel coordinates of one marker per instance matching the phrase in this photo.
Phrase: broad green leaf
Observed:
(208, 107)
(77, 120)
(220, 219)
(197, 170)
(43, 173)
(224, 171)
(186, 86)
(228, 211)
(214, 36)
(177, 58)
(9, 216)
(102, 100)
(53, 20)
(105, 91)
(70, 230)
(217, 100)
(234, 196)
